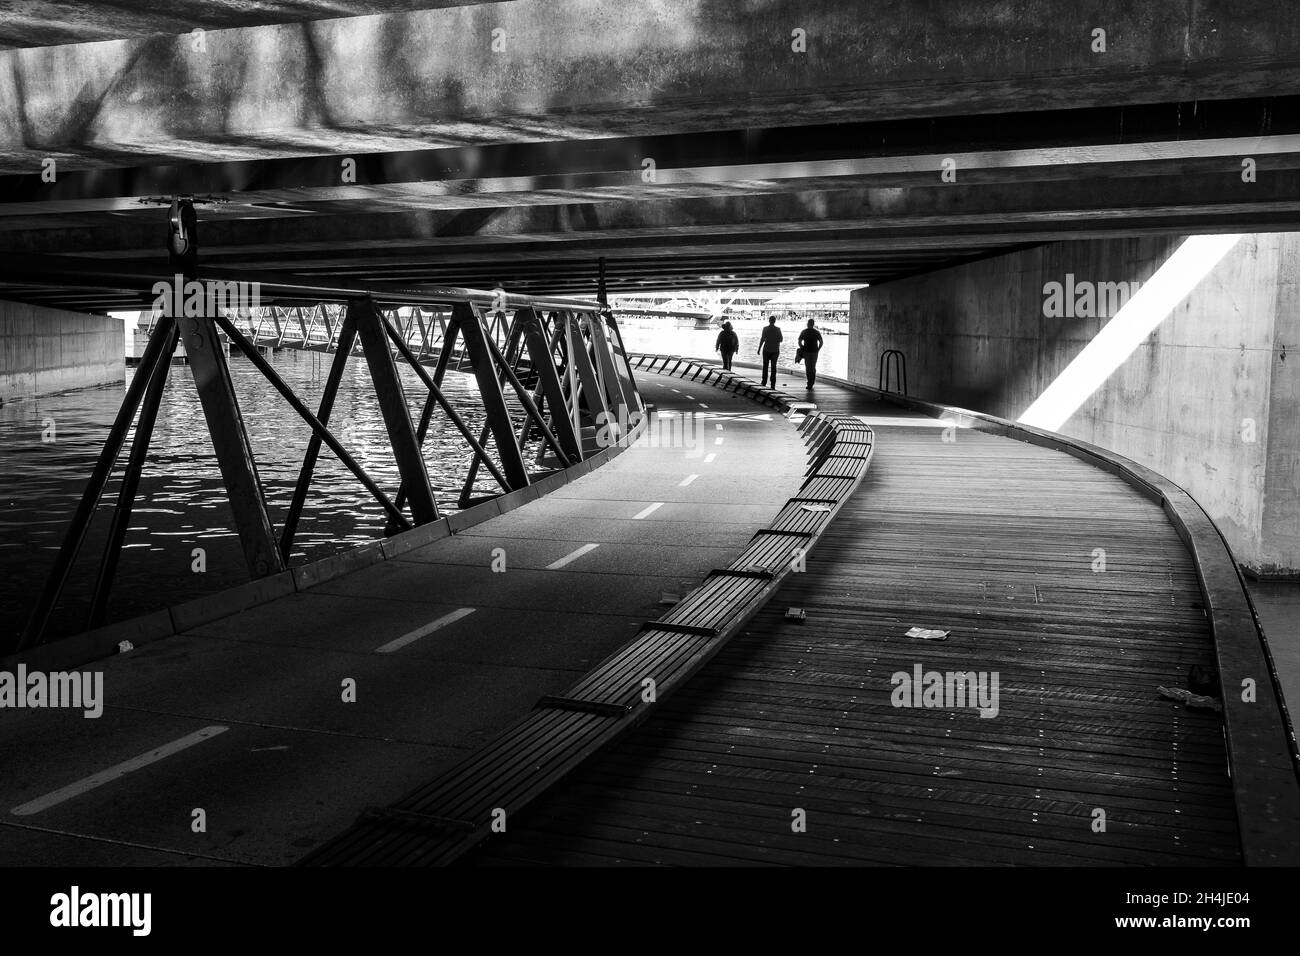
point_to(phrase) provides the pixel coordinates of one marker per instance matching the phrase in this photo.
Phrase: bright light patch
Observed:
(1127, 329)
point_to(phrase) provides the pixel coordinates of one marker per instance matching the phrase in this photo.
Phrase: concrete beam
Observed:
(533, 70)
(998, 212)
(53, 24)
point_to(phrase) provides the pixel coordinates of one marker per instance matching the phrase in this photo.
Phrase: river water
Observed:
(182, 502)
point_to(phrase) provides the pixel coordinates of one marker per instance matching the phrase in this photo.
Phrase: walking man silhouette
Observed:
(769, 346)
(810, 343)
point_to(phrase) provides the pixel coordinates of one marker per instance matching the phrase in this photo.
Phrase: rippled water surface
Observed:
(182, 502)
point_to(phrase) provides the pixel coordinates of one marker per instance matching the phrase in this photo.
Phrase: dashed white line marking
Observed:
(702, 405)
(571, 557)
(646, 512)
(708, 459)
(419, 632)
(687, 480)
(717, 441)
(116, 771)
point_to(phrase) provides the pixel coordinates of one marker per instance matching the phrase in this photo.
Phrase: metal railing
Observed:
(550, 371)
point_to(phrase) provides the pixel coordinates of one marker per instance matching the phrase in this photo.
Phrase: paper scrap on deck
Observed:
(1187, 698)
(928, 634)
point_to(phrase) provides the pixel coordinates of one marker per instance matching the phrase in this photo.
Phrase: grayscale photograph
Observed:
(543, 437)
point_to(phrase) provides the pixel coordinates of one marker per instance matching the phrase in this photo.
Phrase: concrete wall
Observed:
(1281, 529)
(1184, 403)
(49, 350)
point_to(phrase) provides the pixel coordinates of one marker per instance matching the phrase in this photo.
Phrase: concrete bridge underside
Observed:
(511, 143)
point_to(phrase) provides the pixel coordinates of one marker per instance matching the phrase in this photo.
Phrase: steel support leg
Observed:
(230, 441)
(626, 363)
(494, 400)
(392, 403)
(580, 362)
(549, 380)
(623, 403)
(426, 414)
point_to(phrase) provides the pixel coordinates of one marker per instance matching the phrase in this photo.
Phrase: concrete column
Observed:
(1208, 399)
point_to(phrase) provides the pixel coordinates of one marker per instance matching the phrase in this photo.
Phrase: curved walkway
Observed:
(245, 717)
(797, 744)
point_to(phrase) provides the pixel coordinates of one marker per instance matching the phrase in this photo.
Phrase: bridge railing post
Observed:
(548, 380)
(231, 443)
(476, 335)
(375, 344)
(592, 390)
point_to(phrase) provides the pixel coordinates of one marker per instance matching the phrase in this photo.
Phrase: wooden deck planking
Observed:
(993, 538)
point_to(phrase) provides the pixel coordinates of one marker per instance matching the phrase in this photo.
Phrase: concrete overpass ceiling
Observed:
(686, 143)
(37, 24)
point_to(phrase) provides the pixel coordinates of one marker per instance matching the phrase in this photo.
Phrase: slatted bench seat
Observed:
(838, 466)
(773, 550)
(827, 487)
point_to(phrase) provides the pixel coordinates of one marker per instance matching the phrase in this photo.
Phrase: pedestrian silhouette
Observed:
(810, 343)
(769, 346)
(728, 343)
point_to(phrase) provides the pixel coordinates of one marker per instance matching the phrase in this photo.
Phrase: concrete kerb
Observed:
(92, 645)
(80, 649)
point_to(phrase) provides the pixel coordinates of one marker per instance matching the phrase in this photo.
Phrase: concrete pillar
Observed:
(1209, 399)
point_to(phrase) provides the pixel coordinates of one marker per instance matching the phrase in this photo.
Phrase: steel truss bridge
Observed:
(552, 374)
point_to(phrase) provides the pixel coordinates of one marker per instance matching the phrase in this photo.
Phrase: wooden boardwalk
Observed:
(1001, 543)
